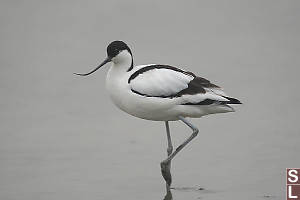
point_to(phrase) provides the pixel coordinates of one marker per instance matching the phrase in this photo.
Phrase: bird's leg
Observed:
(170, 146)
(166, 169)
(166, 163)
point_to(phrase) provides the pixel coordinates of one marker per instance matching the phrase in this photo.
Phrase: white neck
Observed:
(123, 60)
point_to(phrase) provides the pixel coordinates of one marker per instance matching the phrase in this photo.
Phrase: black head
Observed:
(116, 47)
(113, 49)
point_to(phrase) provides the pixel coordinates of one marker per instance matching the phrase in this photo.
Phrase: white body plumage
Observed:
(155, 84)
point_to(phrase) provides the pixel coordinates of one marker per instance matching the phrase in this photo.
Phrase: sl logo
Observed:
(292, 183)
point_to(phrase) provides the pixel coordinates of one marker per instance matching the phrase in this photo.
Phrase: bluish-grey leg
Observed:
(165, 164)
(166, 169)
(170, 146)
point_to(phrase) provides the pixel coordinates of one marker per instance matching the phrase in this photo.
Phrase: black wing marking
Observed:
(197, 85)
(210, 101)
(151, 67)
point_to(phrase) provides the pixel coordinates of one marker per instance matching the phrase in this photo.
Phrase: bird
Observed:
(161, 92)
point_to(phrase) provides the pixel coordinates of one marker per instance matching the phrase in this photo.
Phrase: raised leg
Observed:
(166, 169)
(165, 165)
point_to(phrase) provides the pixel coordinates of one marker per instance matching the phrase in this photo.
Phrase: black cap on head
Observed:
(113, 49)
(116, 47)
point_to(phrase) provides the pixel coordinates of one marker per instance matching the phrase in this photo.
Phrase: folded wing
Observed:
(165, 81)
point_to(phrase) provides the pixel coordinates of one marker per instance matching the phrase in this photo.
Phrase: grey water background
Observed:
(62, 138)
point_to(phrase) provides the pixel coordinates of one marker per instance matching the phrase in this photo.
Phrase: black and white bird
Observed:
(161, 93)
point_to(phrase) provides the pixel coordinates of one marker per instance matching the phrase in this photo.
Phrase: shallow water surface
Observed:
(62, 138)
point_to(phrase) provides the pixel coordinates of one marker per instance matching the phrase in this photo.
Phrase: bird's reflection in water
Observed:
(198, 190)
(168, 195)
